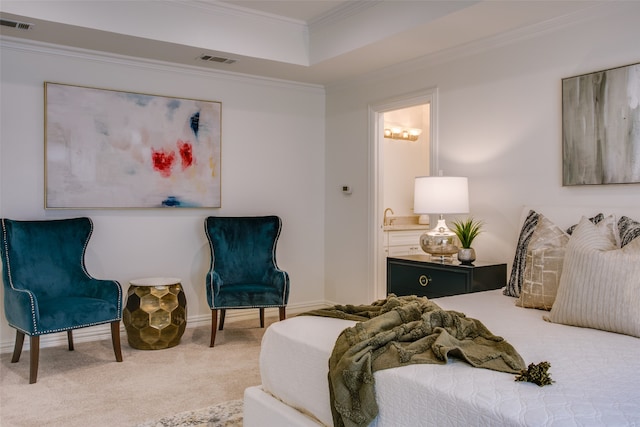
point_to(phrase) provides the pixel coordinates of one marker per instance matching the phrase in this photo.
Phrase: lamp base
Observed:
(439, 242)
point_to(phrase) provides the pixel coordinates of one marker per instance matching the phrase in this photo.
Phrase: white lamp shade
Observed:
(441, 195)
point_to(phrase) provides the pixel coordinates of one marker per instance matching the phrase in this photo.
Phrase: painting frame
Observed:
(113, 149)
(601, 127)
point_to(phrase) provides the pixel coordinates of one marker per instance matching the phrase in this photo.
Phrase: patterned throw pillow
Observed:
(543, 266)
(599, 287)
(628, 229)
(514, 285)
(595, 219)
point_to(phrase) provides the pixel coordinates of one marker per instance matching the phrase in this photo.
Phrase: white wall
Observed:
(272, 163)
(499, 124)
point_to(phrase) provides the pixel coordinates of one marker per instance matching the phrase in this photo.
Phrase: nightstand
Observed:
(422, 276)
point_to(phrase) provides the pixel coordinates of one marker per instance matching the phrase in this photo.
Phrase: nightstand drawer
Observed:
(429, 282)
(418, 275)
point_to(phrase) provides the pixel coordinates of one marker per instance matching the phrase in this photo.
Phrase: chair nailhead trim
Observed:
(33, 302)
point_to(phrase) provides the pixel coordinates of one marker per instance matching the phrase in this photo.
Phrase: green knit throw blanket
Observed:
(399, 331)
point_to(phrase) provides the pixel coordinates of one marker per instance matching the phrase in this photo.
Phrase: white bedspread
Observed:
(597, 373)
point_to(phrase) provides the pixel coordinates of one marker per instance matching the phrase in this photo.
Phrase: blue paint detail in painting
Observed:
(172, 107)
(195, 123)
(175, 202)
(171, 202)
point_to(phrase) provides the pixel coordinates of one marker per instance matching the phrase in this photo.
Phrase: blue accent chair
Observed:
(243, 271)
(47, 288)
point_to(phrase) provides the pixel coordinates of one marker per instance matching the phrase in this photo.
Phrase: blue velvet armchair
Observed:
(47, 288)
(243, 271)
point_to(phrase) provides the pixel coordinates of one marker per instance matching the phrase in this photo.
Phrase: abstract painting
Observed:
(114, 149)
(601, 127)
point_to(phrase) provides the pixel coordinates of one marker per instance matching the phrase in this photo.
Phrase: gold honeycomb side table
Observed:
(155, 315)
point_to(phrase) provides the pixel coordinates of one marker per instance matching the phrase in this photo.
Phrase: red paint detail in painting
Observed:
(186, 152)
(163, 161)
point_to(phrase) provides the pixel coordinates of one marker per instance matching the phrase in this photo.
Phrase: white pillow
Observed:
(600, 283)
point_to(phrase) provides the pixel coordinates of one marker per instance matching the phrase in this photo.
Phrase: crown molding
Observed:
(36, 47)
(342, 12)
(339, 13)
(238, 11)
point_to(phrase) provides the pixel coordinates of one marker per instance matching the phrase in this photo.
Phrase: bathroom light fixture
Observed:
(440, 195)
(402, 134)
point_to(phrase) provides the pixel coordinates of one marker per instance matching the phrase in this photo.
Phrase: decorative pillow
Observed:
(594, 219)
(628, 230)
(543, 266)
(607, 226)
(514, 285)
(599, 287)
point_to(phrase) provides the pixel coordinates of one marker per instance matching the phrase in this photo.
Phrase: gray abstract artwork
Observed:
(601, 127)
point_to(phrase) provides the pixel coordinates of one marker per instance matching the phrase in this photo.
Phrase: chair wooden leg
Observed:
(223, 314)
(115, 340)
(70, 339)
(17, 348)
(283, 313)
(35, 355)
(214, 326)
(262, 317)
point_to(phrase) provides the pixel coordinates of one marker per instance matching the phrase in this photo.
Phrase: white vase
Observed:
(466, 255)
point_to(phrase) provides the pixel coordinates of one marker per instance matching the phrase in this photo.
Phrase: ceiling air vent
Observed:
(16, 24)
(218, 59)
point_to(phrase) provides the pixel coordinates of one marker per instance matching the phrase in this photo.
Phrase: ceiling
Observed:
(309, 41)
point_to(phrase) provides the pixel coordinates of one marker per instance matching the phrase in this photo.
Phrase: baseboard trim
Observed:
(103, 332)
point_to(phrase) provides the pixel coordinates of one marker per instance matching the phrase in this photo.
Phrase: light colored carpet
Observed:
(87, 387)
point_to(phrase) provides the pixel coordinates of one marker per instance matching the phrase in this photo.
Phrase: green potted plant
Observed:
(466, 231)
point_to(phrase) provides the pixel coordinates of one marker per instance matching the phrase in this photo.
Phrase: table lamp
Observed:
(440, 195)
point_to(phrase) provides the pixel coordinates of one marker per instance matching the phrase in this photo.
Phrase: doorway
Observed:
(405, 155)
(392, 110)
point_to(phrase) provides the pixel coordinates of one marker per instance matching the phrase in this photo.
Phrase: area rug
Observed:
(225, 414)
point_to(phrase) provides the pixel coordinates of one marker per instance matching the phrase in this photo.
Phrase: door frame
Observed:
(377, 260)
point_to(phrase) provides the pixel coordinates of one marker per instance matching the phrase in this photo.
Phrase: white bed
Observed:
(596, 374)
